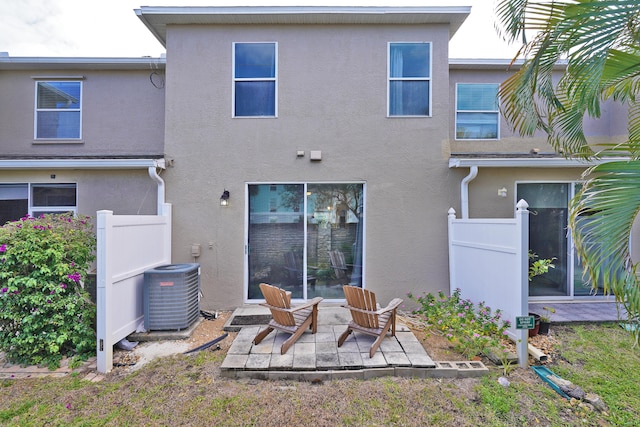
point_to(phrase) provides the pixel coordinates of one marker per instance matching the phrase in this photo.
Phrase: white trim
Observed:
(58, 77)
(81, 164)
(528, 162)
(458, 110)
(304, 184)
(254, 79)
(38, 110)
(428, 79)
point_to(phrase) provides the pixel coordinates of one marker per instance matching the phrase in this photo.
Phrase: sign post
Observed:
(524, 323)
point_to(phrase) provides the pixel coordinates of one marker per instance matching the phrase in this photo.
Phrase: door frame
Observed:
(245, 292)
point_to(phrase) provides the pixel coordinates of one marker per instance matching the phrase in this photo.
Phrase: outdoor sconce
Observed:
(224, 199)
(502, 192)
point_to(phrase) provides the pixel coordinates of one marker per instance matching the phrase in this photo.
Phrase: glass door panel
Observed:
(581, 283)
(312, 257)
(548, 221)
(334, 238)
(276, 238)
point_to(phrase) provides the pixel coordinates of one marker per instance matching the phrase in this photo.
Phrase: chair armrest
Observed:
(311, 303)
(391, 306)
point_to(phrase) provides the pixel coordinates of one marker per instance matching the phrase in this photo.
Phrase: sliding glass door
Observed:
(305, 237)
(548, 222)
(550, 237)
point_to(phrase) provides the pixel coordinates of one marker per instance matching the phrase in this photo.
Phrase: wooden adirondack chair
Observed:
(339, 267)
(293, 266)
(367, 317)
(344, 272)
(285, 318)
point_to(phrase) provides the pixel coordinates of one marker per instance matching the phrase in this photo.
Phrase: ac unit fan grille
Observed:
(171, 297)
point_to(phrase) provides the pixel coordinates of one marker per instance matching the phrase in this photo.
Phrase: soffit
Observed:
(158, 18)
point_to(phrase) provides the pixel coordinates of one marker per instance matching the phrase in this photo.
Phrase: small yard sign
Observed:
(525, 322)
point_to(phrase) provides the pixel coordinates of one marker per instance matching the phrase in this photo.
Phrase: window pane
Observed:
(548, 204)
(276, 238)
(53, 195)
(408, 98)
(478, 97)
(477, 126)
(334, 238)
(409, 59)
(58, 124)
(59, 95)
(255, 99)
(255, 60)
(13, 202)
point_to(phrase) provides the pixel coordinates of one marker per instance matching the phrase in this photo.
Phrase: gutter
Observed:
(153, 173)
(80, 164)
(464, 191)
(528, 162)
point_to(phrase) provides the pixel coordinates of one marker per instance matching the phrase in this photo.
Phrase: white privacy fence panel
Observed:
(488, 261)
(127, 246)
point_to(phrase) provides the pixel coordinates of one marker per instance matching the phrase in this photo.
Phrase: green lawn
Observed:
(187, 390)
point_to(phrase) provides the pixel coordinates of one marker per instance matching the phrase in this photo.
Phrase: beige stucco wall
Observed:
(331, 97)
(610, 127)
(122, 114)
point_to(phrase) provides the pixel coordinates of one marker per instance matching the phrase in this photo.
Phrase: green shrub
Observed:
(45, 313)
(472, 328)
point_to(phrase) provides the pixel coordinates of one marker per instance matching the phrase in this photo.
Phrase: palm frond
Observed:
(602, 215)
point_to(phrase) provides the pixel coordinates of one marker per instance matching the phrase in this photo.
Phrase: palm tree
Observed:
(599, 43)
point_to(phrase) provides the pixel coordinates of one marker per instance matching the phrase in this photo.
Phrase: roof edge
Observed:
(156, 18)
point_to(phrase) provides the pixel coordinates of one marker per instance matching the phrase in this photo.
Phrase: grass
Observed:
(187, 390)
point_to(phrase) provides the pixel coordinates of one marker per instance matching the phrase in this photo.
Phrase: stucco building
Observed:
(305, 147)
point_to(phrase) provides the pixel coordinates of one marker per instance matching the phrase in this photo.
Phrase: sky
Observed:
(110, 28)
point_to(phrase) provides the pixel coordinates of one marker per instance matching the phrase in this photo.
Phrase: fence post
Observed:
(103, 294)
(522, 335)
(452, 267)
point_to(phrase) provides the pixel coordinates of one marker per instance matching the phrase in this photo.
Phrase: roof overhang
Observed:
(24, 164)
(158, 18)
(528, 162)
(495, 64)
(79, 63)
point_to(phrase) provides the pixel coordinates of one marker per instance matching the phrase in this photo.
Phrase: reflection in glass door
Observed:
(305, 238)
(548, 222)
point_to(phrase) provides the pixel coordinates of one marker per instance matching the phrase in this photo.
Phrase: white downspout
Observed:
(464, 191)
(153, 173)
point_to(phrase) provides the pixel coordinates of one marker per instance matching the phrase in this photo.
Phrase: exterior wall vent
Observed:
(171, 297)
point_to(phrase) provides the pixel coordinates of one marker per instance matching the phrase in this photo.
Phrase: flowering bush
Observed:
(472, 328)
(45, 313)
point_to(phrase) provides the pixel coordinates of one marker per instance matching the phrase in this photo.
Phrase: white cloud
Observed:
(95, 28)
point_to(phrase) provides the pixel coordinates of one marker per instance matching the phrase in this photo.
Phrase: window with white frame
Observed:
(20, 199)
(477, 111)
(409, 72)
(58, 110)
(254, 79)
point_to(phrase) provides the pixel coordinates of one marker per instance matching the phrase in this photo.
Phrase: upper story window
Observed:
(409, 73)
(254, 79)
(58, 109)
(477, 114)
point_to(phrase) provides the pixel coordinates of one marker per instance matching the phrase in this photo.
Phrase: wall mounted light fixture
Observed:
(502, 192)
(224, 199)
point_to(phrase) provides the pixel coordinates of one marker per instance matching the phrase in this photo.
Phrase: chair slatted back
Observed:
(338, 264)
(364, 300)
(279, 298)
